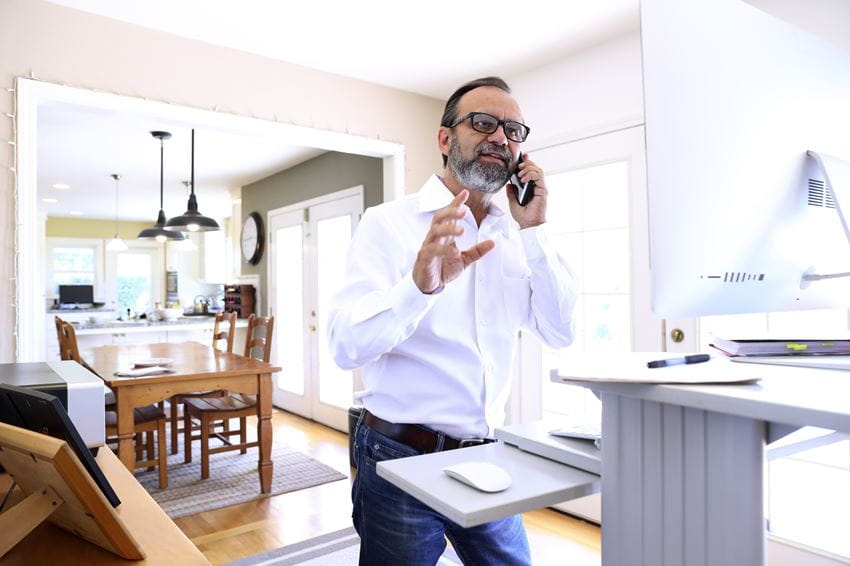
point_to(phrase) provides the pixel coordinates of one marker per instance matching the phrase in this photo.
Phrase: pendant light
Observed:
(158, 231)
(116, 244)
(186, 245)
(192, 220)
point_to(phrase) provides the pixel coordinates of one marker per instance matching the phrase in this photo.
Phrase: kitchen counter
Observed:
(75, 310)
(142, 325)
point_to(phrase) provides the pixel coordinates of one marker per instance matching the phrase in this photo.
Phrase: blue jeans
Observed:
(398, 530)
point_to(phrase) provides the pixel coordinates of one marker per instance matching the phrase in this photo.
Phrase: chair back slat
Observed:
(219, 334)
(259, 337)
(67, 338)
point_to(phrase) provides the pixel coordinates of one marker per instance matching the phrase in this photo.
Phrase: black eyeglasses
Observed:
(487, 124)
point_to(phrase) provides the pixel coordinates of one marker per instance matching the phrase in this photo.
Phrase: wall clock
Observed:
(252, 238)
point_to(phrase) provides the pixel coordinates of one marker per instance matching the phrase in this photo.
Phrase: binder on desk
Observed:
(782, 347)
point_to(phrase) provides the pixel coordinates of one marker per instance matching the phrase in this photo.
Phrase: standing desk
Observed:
(683, 465)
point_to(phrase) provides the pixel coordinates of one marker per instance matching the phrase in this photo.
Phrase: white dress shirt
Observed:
(445, 360)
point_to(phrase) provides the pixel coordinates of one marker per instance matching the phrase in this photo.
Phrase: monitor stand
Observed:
(818, 362)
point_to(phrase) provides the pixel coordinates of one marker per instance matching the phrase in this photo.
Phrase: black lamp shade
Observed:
(158, 231)
(192, 220)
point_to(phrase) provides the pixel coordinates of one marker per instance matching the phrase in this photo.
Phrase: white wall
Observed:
(66, 46)
(598, 90)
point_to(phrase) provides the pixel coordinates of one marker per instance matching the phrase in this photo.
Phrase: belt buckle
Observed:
(465, 442)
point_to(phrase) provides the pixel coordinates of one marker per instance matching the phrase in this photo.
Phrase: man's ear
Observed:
(444, 139)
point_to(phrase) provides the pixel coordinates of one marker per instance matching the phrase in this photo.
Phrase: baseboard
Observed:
(780, 551)
(783, 552)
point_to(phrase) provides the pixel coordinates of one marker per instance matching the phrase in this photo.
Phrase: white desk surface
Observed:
(790, 395)
(537, 482)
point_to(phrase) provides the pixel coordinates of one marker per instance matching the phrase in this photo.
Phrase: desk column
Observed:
(680, 486)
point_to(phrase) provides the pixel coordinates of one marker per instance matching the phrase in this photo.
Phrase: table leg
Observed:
(124, 408)
(264, 431)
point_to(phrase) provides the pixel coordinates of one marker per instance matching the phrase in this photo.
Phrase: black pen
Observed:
(693, 359)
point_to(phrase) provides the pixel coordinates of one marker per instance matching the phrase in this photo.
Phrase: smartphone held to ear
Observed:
(524, 191)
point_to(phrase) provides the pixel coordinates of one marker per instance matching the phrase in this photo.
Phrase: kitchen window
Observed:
(74, 261)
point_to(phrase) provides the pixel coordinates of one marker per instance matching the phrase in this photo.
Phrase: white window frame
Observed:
(625, 144)
(89, 243)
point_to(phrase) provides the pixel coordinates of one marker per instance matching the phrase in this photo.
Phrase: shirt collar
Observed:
(434, 195)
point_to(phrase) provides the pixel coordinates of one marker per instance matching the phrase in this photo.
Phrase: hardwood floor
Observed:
(242, 530)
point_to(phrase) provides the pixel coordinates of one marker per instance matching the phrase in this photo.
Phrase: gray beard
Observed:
(475, 175)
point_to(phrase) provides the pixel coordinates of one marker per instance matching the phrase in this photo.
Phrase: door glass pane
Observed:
(134, 281)
(290, 309)
(336, 386)
(589, 223)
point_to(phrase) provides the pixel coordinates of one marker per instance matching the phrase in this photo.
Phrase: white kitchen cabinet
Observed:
(202, 335)
(118, 336)
(214, 254)
(51, 343)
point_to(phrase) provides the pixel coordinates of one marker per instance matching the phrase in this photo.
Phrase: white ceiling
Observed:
(427, 48)
(82, 147)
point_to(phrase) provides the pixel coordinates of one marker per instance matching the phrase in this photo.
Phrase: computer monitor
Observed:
(44, 413)
(76, 294)
(738, 212)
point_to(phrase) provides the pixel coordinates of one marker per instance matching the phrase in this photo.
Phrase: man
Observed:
(437, 285)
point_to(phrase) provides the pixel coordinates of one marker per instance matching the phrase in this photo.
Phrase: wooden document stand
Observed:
(58, 488)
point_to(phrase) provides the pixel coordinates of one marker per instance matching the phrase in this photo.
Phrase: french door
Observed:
(308, 242)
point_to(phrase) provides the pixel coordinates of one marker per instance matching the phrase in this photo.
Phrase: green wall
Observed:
(328, 173)
(60, 227)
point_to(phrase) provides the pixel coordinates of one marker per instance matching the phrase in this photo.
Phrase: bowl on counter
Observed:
(169, 314)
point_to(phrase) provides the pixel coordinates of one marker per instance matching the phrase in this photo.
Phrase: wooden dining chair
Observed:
(146, 420)
(258, 345)
(224, 329)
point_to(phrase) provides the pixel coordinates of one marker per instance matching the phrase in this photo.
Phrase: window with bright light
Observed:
(73, 265)
(589, 222)
(134, 281)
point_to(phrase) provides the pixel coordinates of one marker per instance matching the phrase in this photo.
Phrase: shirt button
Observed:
(483, 323)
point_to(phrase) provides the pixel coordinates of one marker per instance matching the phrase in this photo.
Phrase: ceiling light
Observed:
(192, 220)
(76, 213)
(157, 231)
(61, 186)
(116, 244)
(50, 200)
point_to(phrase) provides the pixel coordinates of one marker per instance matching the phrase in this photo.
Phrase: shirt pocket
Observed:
(517, 299)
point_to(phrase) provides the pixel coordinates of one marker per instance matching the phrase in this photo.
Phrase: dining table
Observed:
(193, 367)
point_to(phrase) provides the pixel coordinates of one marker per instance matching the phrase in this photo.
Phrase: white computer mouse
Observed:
(480, 475)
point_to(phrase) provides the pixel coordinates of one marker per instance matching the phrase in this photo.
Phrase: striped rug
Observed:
(340, 548)
(233, 479)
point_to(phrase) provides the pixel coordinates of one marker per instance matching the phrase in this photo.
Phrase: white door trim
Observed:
(309, 406)
(357, 190)
(29, 274)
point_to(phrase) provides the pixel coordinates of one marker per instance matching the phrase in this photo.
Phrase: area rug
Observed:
(233, 479)
(340, 548)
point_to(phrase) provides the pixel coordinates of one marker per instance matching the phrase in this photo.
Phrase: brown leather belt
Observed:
(417, 436)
